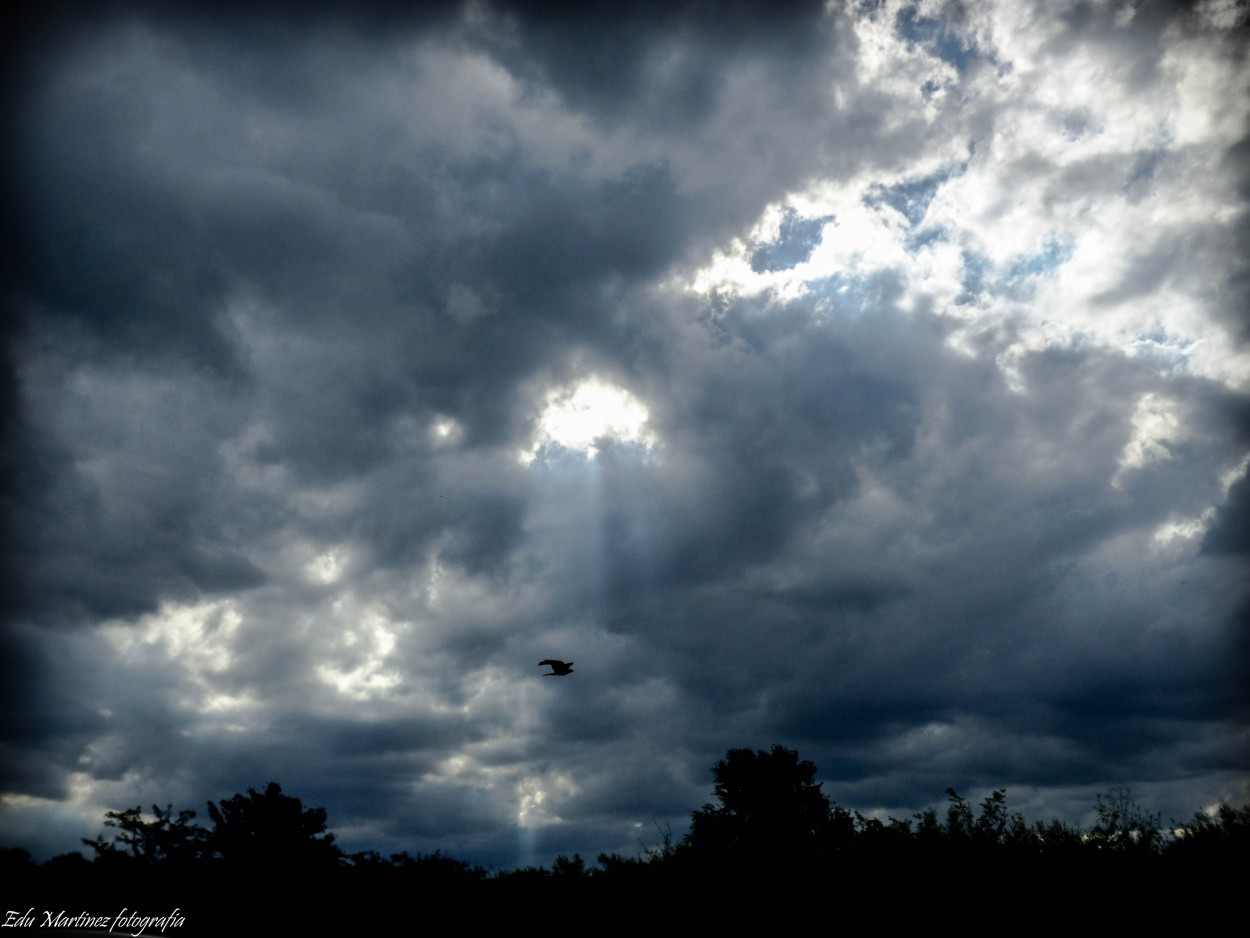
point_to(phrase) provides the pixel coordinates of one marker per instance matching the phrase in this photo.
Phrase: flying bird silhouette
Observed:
(558, 668)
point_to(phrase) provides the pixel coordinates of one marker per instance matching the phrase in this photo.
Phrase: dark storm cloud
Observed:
(774, 426)
(157, 205)
(1230, 531)
(149, 281)
(975, 630)
(667, 59)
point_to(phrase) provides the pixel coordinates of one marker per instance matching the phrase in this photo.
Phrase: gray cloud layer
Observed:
(936, 316)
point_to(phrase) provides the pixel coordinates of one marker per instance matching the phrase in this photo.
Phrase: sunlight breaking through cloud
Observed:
(581, 417)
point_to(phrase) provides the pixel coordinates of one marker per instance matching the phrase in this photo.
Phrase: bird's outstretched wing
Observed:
(558, 668)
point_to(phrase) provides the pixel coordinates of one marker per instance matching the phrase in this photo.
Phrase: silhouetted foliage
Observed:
(990, 829)
(1124, 825)
(564, 868)
(840, 830)
(164, 839)
(1057, 839)
(15, 861)
(271, 829)
(369, 870)
(958, 817)
(771, 823)
(664, 850)
(928, 827)
(875, 837)
(1220, 835)
(770, 807)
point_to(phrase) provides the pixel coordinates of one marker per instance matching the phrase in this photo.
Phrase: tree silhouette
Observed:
(272, 830)
(770, 807)
(163, 840)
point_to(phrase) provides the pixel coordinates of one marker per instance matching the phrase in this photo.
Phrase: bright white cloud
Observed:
(1085, 182)
(1156, 430)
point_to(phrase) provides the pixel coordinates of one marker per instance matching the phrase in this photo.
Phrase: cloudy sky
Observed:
(872, 380)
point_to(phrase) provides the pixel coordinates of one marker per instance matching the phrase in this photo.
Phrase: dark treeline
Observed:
(772, 828)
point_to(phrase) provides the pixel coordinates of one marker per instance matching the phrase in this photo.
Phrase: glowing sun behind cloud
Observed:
(578, 417)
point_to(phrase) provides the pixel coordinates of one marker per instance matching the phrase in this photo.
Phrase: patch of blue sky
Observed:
(851, 295)
(911, 198)
(977, 272)
(1164, 359)
(1053, 255)
(797, 238)
(921, 237)
(980, 276)
(1161, 337)
(934, 36)
(1162, 348)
